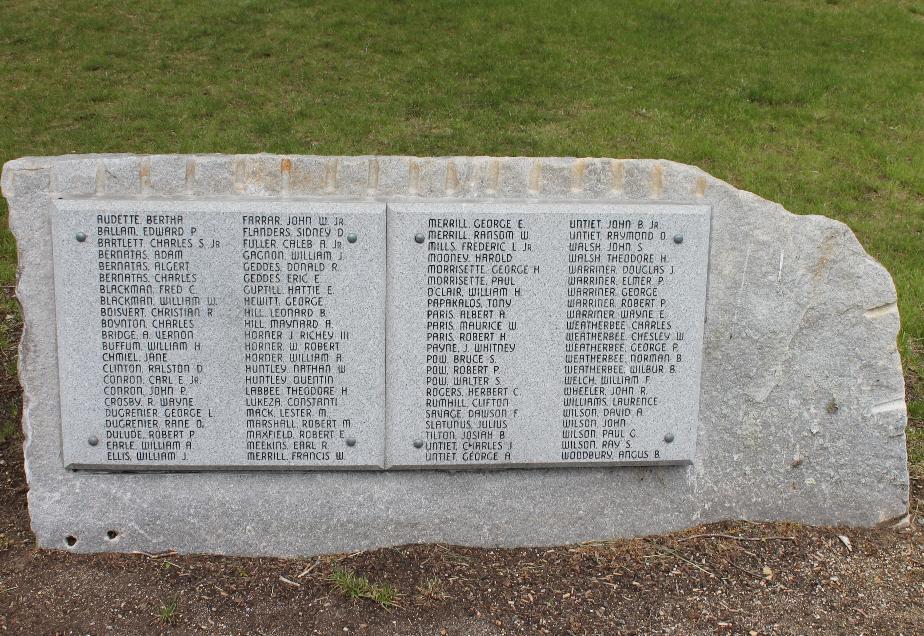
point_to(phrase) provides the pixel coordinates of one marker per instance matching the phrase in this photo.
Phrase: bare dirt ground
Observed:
(732, 578)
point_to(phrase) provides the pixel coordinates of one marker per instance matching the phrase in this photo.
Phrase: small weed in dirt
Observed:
(167, 611)
(432, 590)
(354, 586)
(351, 585)
(8, 430)
(452, 555)
(384, 594)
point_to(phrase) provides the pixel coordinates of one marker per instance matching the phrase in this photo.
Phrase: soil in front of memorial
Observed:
(732, 578)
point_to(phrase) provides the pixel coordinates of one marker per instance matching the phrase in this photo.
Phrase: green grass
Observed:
(916, 449)
(817, 105)
(354, 586)
(8, 429)
(167, 611)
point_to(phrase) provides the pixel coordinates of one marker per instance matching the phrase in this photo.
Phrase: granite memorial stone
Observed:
(283, 355)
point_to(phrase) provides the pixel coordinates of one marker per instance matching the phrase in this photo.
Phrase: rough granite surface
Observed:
(802, 411)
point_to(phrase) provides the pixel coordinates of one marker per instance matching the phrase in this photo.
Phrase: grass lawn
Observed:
(816, 105)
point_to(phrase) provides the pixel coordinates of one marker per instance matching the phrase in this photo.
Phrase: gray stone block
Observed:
(213, 175)
(76, 177)
(261, 175)
(801, 414)
(390, 175)
(312, 175)
(164, 174)
(353, 175)
(119, 175)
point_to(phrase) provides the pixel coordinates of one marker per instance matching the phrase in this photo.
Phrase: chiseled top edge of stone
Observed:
(376, 176)
(363, 176)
